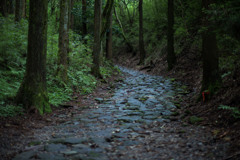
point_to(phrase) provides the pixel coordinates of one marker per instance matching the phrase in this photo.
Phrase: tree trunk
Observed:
(84, 15)
(97, 41)
(3, 7)
(211, 77)
(106, 17)
(33, 91)
(18, 10)
(63, 41)
(109, 40)
(71, 16)
(23, 8)
(10, 6)
(141, 41)
(171, 58)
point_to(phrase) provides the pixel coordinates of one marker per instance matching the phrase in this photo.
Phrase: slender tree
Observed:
(71, 19)
(97, 39)
(9, 8)
(63, 41)
(84, 15)
(33, 90)
(141, 41)
(109, 40)
(18, 10)
(171, 58)
(23, 8)
(107, 12)
(3, 7)
(211, 77)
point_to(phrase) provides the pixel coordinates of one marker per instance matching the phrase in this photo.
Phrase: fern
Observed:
(235, 111)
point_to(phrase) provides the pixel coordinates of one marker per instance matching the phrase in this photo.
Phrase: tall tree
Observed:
(84, 15)
(3, 7)
(24, 8)
(18, 10)
(109, 39)
(141, 41)
(97, 39)
(71, 19)
(211, 77)
(63, 40)
(171, 58)
(33, 90)
(10, 6)
(106, 17)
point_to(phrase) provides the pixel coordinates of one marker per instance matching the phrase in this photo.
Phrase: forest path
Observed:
(136, 123)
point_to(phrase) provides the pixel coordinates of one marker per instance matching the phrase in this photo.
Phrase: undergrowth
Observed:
(13, 51)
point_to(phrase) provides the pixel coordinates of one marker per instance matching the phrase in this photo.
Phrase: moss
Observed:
(175, 114)
(195, 120)
(34, 143)
(34, 95)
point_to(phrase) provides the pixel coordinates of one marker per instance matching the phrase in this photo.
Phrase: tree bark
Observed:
(211, 77)
(3, 7)
(106, 17)
(84, 21)
(33, 91)
(63, 41)
(109, 40)
(171, 58)
(141, 41)
(71, 16)
(23, 8)
(18, 10)
(10, 7)
(97, 40)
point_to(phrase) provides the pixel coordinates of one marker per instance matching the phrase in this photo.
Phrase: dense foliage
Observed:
(13, 50)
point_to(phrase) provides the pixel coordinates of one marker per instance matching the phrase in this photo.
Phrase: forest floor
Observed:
(135, 116)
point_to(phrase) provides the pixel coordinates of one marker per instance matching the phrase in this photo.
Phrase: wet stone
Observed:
(99, 100)
(134, 102)
(128, 119)
(151, 102)
(55, 147)
(149, 117)
(69, 152)
(135, 113)
(119, 135)
(166, 113)
(131, 108)
(73, 140)
(48, 156)
(25, 155)
(80, 146)
(131, 143)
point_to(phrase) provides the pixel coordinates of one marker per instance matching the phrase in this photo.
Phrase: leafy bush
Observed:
(10, 110)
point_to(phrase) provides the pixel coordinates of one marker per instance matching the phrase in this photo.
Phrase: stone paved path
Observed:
(134, 124)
